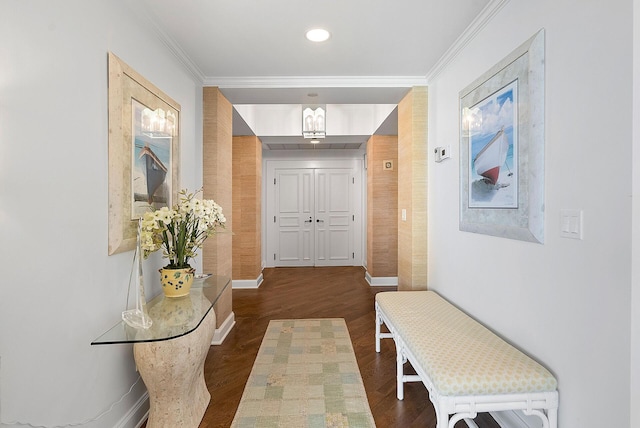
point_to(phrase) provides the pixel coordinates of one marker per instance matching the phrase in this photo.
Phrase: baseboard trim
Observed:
(513, 419)
(137, 415)
(381, 281)
(247, 283)
(221, 333)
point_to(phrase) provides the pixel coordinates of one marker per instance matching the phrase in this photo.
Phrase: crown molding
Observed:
(316, 81)
(169, 42)
(481, 21)
(485, 16)
(184, 59)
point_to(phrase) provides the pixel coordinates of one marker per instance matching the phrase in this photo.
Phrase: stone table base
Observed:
(173, 372)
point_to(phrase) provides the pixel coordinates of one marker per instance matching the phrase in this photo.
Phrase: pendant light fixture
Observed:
(313, 122)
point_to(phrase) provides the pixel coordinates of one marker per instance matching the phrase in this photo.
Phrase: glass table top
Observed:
(172, 317)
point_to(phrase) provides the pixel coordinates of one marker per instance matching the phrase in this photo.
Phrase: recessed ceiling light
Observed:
(318, 35)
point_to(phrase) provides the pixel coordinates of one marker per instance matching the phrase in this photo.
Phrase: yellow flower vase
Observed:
(176, 282)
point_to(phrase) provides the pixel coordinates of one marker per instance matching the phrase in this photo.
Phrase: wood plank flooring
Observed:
(324, 292)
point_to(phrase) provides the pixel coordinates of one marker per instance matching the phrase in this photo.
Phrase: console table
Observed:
(170, 354)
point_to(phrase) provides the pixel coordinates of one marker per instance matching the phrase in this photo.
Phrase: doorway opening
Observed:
(313, 216)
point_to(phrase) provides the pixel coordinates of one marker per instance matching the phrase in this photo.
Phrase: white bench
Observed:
(466, 368)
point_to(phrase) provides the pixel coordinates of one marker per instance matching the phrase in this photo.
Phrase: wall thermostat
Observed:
(442, 153)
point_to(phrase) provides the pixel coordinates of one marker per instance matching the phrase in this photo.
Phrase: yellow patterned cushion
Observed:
(460, 356)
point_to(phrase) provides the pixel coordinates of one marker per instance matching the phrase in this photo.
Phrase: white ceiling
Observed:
(256, 52)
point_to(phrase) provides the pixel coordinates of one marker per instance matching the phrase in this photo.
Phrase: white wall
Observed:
(566, 302)
(635, 287)
(60, 288)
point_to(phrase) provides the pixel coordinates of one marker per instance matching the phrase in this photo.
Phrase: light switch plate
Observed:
(571, 224)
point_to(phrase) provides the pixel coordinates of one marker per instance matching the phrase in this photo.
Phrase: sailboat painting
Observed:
(151, 164)
(493, 140)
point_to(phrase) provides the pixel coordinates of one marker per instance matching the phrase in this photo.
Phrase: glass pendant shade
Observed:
(313, 122)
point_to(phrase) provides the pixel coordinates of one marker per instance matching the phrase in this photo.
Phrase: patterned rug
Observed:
(305, 375)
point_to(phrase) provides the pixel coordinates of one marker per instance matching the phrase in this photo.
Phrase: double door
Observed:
(313, 217)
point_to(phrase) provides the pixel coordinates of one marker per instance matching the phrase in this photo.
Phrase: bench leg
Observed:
(442, 417)
(399, 371)
(379, 334)
(466, 417)
(552, 414)
(378, 324)
(549, 418)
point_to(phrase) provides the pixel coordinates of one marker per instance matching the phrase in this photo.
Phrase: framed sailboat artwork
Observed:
(502, 147)
(144, 142)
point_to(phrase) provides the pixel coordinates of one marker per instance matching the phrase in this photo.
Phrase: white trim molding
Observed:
(513, 419)
(247, 283)
(315, 81)
(485, 16)
(173, 46)
(137, 415)
(221, 333)
(381, 281)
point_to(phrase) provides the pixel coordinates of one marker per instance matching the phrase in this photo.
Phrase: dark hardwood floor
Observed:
(340, 292)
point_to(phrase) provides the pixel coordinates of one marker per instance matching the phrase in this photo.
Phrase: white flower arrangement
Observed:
(180, 231)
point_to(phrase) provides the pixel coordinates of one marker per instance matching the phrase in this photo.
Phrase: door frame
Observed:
(355, 164)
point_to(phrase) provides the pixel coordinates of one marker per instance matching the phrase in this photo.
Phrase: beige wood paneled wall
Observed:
(382, 206)
(412, 190)
(247, 196)
(217, 182)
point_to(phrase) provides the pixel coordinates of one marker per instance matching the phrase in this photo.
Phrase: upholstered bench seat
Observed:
(455, 356)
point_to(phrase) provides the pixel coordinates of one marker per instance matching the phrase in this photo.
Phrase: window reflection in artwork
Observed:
(151, 158)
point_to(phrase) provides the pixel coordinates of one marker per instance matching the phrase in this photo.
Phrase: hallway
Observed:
(325, 292)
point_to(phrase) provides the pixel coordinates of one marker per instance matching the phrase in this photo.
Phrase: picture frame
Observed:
(502, 147)
(144, 152)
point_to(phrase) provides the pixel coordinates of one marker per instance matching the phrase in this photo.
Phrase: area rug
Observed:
(305, 375)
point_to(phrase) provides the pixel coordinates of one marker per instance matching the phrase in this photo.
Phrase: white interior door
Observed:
(334, 217)
(313, 217)
(294, 217)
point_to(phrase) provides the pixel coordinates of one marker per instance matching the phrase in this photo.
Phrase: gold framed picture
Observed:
(144, 152)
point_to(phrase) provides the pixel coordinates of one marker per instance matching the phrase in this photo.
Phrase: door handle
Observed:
(309, 221)
(318, 221)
